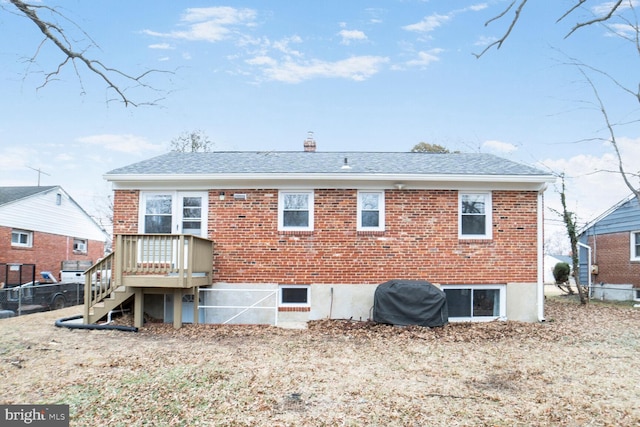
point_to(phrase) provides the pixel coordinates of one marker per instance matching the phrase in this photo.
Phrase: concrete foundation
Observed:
(522, 302)
(258, 304)
(610, 292)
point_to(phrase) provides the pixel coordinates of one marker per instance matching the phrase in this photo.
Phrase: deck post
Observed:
(177, 308)
(138, 308)
(196, 304)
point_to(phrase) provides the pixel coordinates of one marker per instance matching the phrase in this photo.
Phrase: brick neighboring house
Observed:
(45, 226)
(323, 229)
(614, 242)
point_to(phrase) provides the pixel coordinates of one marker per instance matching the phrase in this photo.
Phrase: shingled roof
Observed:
(278, 162)
(12, 194)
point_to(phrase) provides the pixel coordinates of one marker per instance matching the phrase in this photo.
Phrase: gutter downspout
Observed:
(540, 269)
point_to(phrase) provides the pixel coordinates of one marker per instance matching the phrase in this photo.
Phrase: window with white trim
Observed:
(294, 296)
(475, 303)
(295, 211)
(370, 211)
(80, 246)
(474, 215)
(635, 245)
(21, 238)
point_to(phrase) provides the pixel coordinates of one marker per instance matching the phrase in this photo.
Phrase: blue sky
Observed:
(362, 75)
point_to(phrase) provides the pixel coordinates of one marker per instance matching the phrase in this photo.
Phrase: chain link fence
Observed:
(34, 297)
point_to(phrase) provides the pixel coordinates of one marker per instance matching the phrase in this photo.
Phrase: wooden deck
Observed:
(147, 263)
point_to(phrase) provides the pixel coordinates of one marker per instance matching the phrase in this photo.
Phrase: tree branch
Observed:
(498, 43)
(612, 134)
(55, 33)
(604, 18)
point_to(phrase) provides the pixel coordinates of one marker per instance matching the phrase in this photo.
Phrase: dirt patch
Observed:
(577, 368)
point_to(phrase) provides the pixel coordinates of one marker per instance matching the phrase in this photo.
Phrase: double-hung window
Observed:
(635, 245)
(475, 303)
(474, 212)
(370, 211)
(21, 238)
(295, 211)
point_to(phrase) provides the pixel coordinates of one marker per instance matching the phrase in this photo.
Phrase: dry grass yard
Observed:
(580, 368)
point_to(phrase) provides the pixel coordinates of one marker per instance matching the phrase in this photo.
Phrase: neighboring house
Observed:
(614, 242)
(318, 231)
(44, 226)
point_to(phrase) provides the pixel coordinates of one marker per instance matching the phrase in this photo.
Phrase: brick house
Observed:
(318, 231)
(44, 226)
(613, 239)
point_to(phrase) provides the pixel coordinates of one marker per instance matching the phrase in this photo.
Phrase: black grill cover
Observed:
(410, 302)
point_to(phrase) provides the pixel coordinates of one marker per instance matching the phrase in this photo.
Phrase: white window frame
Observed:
(81, 244)
(177, 217)
(281, 303)
(636, 294)
(488, 213)
(502, 311)
(281, 196)
(633, 256)
(18, 244)
(381, 211)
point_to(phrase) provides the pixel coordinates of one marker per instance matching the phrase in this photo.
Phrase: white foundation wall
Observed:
(239, 303)
(337, 301)
(342, 301)
(522, 301)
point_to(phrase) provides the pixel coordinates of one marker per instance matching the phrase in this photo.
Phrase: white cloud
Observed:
(15, 158)
(478, 7)
(161, 46)
(349, 36)
(283, 45)
(210, 24)
(499, 146)
(357, 68)
(121, 143)
(425, 58)
(428, 23)
(485, 40)
(604, 8)
(593, 182)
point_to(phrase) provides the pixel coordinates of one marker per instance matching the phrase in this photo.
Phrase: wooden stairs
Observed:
(117, 297)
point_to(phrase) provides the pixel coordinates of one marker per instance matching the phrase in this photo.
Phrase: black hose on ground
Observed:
(60, 323)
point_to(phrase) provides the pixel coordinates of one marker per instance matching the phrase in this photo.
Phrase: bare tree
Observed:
(606, 13)
(76, 56)
(620, 19)
(191, 142)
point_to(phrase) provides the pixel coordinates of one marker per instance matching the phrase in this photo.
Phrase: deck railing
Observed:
(179, 256)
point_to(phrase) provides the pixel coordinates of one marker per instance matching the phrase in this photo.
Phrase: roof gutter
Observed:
(132, 181)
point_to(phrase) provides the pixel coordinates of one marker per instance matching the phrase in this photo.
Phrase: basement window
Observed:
(475, 303)
(294, 296)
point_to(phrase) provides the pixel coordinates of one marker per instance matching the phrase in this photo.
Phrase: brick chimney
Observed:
(310, 143)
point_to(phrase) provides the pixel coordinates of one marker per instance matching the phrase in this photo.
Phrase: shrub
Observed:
(561, 272)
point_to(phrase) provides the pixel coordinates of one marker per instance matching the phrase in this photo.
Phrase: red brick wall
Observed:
(420, 240)
(48, 251)
(125, 211)
(612, 257)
